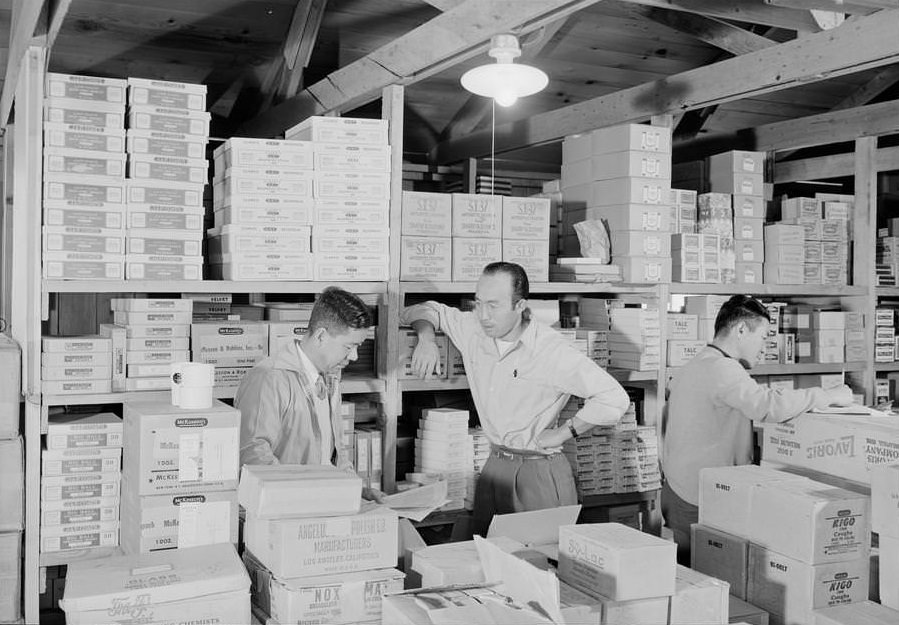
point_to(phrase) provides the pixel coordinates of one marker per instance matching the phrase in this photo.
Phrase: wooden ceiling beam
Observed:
(446, 40)
(28, 18)
(444, 5)
(304, 27)
(811, 58)
(862, 7)
(711, 30)
(749, 11)
(833, 166)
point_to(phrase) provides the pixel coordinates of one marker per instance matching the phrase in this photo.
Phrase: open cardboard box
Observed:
(536, 529)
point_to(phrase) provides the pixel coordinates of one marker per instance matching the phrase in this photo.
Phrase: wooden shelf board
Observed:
(618, 499)
(455, 384)
(887, 291)
(203, 286)
(805, 368)
(767, 289)
(349, 384)
(886, 366)
(628, 375)
(58, 558)
(537, 288)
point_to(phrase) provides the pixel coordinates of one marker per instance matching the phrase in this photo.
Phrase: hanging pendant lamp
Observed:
(504, 81)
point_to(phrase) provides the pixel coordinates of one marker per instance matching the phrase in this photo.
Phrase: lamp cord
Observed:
(492, 145)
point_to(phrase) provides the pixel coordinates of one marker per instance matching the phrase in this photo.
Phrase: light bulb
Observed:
(505, 98)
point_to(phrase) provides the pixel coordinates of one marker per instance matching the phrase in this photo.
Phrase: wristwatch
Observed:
(572, 429)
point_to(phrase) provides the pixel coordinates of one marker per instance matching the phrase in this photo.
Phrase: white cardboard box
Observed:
(477, 216)
(171, 450)
(426, 258)
(91, 88)
(350, 130)
(427, 214)
(79, 536)
(66, 213)
(84, 163)
(198, 584)
(168, 168)
(299, 547)
(80, 486)
(790, 590)
(78, 431)
(533, 255)
(144, 91)
(171, 144)
(885, 500)
(293, 490)
(237, 185)
(810, 521)
(526, 218)
(616, 561)
(721, 555)
(861, 613)
(167, 119)
(251, 152)
(90, 192)
(80, 239)
(641, 243)
(698, 599)
(350, 267)
(470, 255)
(143, 193)
(349, 157)
(79, 510)
(86, 460)
(351, 185)
(81, 113)
(360, 212)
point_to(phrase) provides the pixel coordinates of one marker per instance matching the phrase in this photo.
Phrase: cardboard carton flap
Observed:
(535, 528)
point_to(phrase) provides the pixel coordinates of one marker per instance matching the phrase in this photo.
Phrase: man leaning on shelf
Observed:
(521, 373)
(712, 403)
(290, 402)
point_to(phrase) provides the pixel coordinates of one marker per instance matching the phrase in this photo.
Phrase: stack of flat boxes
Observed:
(552, 191)
(887, 256)
(84, 178)
(829, 336)
(635, 457)
(369, 455)
(715, 218)
(884, 335)
(683, 211)
(477, 226)
(352, 174)
(426, 244)
(480, 448)
(179, 482)
(156, 334)
(683, 339)
(526, 235)
(12, 488)
(232, 347)
(779, 346)
(590, 456)
(80, 482)
(695, 257)
(262, 196)
(786, 544)
(635, 338)
(347, 444)
(826, 226)
(210, 306)
(76, 365)
(784, 253)
(741, 174)
(622, 175)
(442, 446)
(408, 341)
(885, 521)
(168, 128)
(594, 344)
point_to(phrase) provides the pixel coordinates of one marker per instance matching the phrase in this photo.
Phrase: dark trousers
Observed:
(515, 483)
(679, 515)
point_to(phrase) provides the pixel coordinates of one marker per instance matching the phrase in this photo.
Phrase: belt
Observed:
(510, 454)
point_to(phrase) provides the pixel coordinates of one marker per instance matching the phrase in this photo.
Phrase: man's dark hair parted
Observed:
(740, 308)
(521, 288)
(337, 311)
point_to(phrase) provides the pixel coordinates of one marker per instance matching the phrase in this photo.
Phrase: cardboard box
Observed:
(641, 243)
(282, 491)
(166, 93)
(426, 258)
(742, 161)
(169, 450)
(725, 495)
(630, 163)
(748, 228)
(160, 522)
(207, 583)
(778, 273)
(748, 273)
(846, 448)
(338, 599)
(628, 217)
(698, 599)
(800, 208)
(79, 510)
(280, 212)
(79, 536)
(888, 572)
(91, 88)
(652, 191)
(810, 521)
(86, 359)
(83, 266)
(74, 460)
(477, 216)
(530, 254)
(680, 352)
(408, 341)
(76, 372)
(91, 191)
(630, 137)
(352, 211)
(885, 500)
(721, 555)
(736, 182)
(616, 561)
(784, 234)
(83, 163)
(10, 576)
(352, 185)
(79, 431)
(64, 387)
(80, 113)
(350, 267)
(749, 206)
(348, 130)
(300, 547)
(526, 218)
(863, 612)
(165, 144)
(471, 255)
(435, 606)
(142, 193)
(236, 185)
(80, 486)
(165, 243)
(166, 218)
(167, 119)
(790, 590)
(682, 326)
(357, 158)
(86, 138)
(251, 152)
(66, 213)
(147, 267)
(644, 269)
(427, 214)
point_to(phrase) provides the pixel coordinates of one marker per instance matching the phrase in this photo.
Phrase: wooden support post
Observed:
(864, 240)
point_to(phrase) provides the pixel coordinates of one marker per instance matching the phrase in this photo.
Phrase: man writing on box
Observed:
(521, 374)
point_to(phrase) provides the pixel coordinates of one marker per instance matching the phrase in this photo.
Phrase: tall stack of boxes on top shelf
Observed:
(351, 162)
(622, 175)
(179, 478)
(784, 543)
(148, 335)
(84, 178)
(262, 200)
(80, 482)
(12, 495)
(168, 128)
(312, 555)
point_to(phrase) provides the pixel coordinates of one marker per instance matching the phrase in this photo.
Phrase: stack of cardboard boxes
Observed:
(262, 197)
(825, 222)
(84, 178)
(313, 557)
(76, 364)
(168, 129)
(12, 488)
(622, 175)
(635, 338)
(443, 446)
(179, 482)
(351, 162)
(232, 347)
(786, 544)
(80, 482)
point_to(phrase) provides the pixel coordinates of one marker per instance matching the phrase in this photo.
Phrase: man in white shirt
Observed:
(290, 402)
(712, 403)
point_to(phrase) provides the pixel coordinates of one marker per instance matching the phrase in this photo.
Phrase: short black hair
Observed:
(338, 311)
(740, 308)
(521, 288)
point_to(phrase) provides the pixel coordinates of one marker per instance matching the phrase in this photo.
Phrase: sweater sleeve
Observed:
(759, 403)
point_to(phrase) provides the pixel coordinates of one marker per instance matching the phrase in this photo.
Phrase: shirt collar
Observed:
(310, 369)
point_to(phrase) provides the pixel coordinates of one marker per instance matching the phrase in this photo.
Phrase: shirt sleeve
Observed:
(259, 402)
(449, 320)
(605, 401)
(759, 403)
